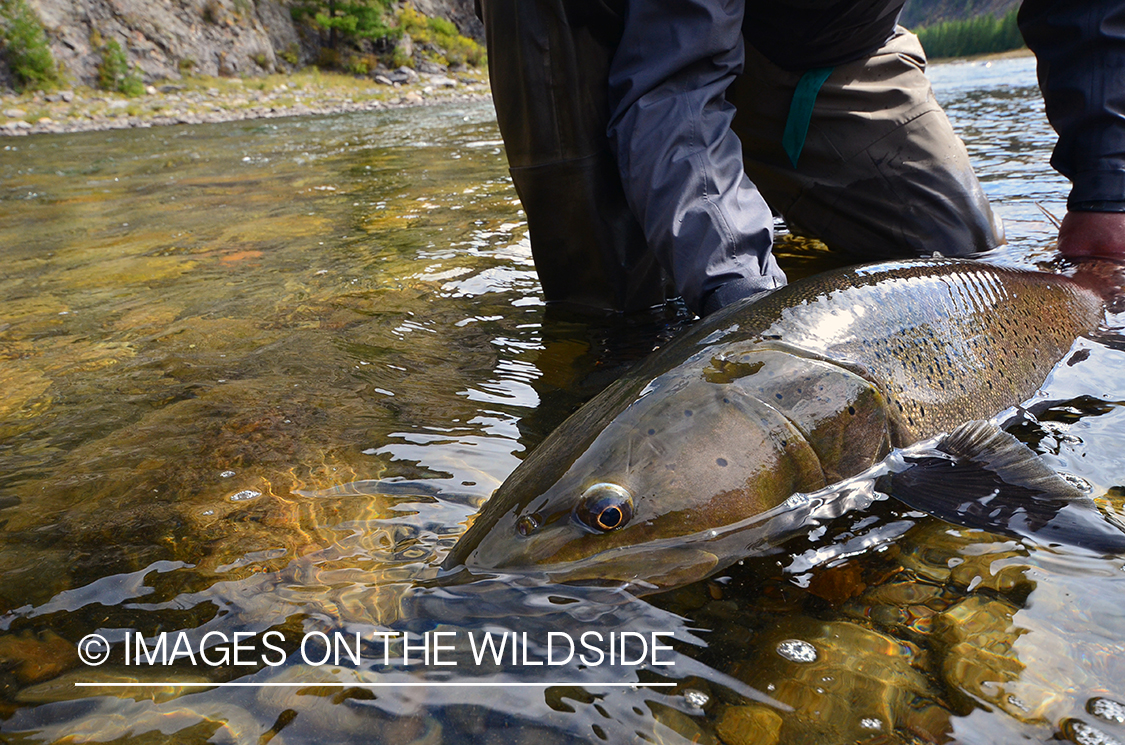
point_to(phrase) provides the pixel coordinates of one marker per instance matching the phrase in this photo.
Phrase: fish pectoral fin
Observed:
(981, 477)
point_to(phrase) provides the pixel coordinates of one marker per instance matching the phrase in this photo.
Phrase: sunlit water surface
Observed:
(221, 345)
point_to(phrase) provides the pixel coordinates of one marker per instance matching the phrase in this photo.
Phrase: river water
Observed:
(256, 376)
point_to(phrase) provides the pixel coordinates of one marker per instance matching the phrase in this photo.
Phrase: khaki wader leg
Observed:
(882, 174)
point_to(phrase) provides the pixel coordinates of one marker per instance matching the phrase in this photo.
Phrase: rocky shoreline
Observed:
(204, 100)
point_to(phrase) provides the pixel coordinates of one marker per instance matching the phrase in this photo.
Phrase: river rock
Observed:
(749, 725)
(36, 658)
(404, 72)
(968, 560)
(432, 68)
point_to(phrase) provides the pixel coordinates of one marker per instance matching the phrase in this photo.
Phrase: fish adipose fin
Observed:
(981, 477)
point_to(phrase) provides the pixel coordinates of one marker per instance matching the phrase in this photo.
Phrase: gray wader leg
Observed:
(881, 174)
(548, 64)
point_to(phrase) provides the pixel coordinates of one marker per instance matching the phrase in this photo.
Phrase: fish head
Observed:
(617, 493)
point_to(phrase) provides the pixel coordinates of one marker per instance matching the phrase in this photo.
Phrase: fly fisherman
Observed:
(648, 140)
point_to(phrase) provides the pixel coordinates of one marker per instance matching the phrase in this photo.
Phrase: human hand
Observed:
(1093, 235)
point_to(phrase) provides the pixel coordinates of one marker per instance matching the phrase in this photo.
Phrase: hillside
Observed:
(164, 39)
(124, 44)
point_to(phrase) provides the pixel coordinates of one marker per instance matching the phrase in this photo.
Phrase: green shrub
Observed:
(440, 33)
(292, 54)
(115, 73)
(360, 64)
(24, 44)
(359, 19)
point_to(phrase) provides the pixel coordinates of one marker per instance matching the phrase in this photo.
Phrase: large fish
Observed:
(693, 460)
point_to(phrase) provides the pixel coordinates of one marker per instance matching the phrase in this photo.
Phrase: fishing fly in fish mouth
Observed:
(692, 462)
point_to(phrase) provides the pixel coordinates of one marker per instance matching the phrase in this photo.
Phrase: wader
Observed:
(877, 171)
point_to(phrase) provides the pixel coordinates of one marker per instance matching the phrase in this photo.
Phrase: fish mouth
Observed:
(627, 566)
(470, 540)
(655, 565)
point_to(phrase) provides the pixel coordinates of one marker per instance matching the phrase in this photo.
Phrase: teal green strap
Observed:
(800, 111)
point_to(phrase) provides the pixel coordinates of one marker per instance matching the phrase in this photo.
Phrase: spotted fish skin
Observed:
(806, 386)
(946, 340)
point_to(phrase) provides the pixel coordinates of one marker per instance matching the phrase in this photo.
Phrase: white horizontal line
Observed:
(359, 684)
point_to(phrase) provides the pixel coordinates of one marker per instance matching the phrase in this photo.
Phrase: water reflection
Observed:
(258, 376)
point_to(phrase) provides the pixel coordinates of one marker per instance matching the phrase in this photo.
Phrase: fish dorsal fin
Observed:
(979, 476)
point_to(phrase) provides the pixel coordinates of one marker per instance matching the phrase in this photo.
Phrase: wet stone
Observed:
(945, 555)
(749, 725)
(673, 725)
(35, 658)
(981, 660)
(906, 607)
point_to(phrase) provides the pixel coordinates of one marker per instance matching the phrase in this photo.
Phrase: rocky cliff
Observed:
(167, 38)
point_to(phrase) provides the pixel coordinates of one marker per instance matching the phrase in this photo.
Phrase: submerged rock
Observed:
(35, 658)
(153, 685)
(844, 681)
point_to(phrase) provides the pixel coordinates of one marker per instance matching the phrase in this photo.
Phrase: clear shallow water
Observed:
(213, 341)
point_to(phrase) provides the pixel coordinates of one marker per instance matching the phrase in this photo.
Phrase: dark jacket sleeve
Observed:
(680, 163)
(1080, 46)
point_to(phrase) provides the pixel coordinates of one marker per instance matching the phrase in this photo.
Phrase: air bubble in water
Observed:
(1107, 709)
(1083, 734)
(796, 650)
(696, 699)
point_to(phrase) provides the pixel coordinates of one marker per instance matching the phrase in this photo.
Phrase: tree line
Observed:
(984, 34)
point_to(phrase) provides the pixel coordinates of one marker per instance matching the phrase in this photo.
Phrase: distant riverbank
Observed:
(991, 56)
(201, 100)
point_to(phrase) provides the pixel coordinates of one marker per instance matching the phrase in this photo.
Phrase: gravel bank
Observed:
(208, 100)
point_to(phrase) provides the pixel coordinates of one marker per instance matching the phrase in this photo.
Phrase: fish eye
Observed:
(604, 507)
(527, 525)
